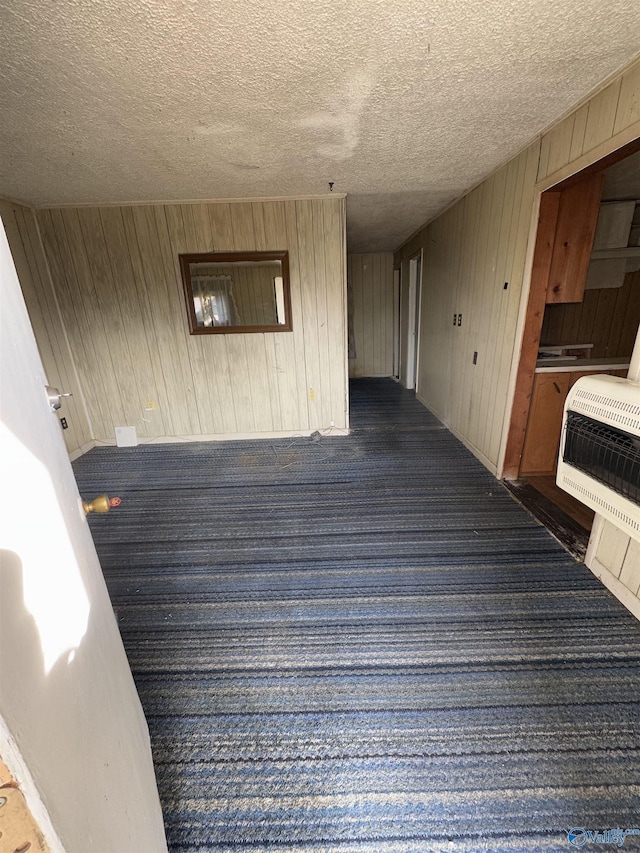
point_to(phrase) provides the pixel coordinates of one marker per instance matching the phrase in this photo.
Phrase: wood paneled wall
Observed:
(49, 331)
(482, 242)
(117, 278)
(607, 318)
(617, 556)
(609, 114)
(370, 279)
(470, 252)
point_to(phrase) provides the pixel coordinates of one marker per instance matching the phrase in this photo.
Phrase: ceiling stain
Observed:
(404, 106)
(344, 117)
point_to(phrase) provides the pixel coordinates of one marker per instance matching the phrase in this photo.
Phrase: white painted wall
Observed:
(67, 698)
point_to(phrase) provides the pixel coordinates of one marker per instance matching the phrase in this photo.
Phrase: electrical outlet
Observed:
(459, 319)
(475, 358)
(64, 423)
(331, 423)
(454, 319)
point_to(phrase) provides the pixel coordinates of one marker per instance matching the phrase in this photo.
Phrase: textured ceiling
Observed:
(401, 103)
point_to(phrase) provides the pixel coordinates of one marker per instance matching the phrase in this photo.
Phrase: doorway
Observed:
(582, 318)
(413, 320)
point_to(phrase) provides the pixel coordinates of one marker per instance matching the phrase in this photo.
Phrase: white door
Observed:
(415, 277)
(71, 724)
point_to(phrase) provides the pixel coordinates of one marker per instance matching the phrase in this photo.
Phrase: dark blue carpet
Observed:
(364, 644)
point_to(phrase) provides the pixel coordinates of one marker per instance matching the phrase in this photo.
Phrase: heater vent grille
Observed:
(607, 454)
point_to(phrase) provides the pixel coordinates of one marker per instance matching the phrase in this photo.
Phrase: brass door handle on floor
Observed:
(102, 503)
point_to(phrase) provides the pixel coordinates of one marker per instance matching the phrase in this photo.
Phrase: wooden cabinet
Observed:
(542, 439)
(577, 217)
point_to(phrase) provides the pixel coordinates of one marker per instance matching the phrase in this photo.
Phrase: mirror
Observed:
(241, 292)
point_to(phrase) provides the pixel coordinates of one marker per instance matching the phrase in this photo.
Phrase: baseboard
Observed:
(330, 432)
(371, 376)
(80, 451)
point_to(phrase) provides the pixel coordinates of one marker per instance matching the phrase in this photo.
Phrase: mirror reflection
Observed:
(237, 292)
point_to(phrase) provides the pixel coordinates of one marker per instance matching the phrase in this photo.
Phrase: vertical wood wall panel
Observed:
(112, 338)
(162, 419)
(321, 309)
(371, 280)
(499, 303)
(334, 225)
(518, 241)
(500, 308)
(117, 277)
(83, 290)
(250, 419)
(611, 111)
(307, 272)
(602, 116)
(282, 347)
(131, 313)
(184, 230)
(301, 351)
(628, 109)
(469, 253)
(268, 340)
(578, 127)
(51, 336)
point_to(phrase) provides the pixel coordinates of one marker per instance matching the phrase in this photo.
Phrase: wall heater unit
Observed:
(599, 461)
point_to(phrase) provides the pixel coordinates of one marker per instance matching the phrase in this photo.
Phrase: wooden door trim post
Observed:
(541, 267)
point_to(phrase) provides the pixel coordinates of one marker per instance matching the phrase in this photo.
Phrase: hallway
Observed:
(363, 643)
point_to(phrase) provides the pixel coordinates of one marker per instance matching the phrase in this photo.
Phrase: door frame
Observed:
(533, 298)
(396, 322)
(413, 320)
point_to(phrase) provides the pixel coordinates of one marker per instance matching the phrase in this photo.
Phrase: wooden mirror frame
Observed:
(231, 258)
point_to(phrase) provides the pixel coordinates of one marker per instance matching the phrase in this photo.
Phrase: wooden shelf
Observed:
(625, 252)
